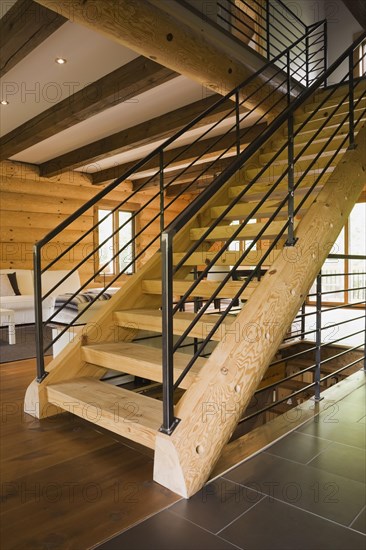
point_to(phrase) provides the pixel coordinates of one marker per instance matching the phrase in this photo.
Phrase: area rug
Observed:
(25, 347)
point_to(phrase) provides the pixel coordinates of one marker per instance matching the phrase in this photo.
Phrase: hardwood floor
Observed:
(64, 484)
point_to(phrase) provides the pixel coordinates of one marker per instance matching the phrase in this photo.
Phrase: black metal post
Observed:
(351, 102)
(41, 374)
(291, 181)
(161, 183)
(237, 122)
(307, 57)
(196, 303)
(169, 421)
(325, 50)
(268, 35)
(288, 62)
(303, 322)
(318, 341)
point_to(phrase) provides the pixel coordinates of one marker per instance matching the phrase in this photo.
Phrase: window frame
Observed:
(347, 278)
(106, 277)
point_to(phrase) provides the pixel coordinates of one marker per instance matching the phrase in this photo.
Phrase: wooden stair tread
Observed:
(128, 414)
(150, 319)
(204, 288)
(250, 231)
(139, 360)
(228, 258)
(294, 385)
(281, 408)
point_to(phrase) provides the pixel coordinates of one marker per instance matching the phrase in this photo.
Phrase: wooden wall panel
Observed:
(31, 205)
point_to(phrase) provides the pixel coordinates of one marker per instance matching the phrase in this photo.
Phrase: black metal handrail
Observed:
(273, 80)
(344, 132)
(266, 26)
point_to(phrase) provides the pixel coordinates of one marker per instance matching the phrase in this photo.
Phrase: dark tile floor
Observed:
(306, 492)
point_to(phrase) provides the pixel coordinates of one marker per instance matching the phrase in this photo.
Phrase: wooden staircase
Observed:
(237, 364)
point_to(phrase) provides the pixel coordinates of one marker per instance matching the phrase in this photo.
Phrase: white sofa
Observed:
(23, 305)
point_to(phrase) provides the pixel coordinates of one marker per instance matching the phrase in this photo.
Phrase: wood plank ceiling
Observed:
(114, 105)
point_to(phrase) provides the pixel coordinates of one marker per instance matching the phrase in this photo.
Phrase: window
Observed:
(114, 234)
(238, 246)
(351, 241)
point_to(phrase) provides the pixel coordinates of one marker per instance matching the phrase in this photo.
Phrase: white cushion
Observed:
(51, 278)
(5, 287)
(24, 279)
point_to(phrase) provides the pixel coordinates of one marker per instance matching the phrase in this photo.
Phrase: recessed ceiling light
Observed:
(4, 102)
(60, 60)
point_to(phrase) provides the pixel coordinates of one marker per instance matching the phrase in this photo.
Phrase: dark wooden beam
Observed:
(24, 27)
(147, 132)
(186, 153)
(358, 10)
(130, 80)
(202, 172)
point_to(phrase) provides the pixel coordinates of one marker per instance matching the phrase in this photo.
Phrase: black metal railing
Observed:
(320, 347)
(240, 116)
(292, 172)
(268, 27)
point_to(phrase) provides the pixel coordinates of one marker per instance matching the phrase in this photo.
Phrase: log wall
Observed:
(31, 206)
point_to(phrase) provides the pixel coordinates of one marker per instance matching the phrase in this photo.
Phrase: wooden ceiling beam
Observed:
(185, 175)
(193, 50)
(130, 80)
(24, 27)
(145, 133)
(179, 155)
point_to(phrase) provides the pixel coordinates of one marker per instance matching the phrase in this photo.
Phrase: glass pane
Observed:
(357, 229)
(357, 280)
(106, 251)
(125, 236)
(235, 245)
(357, 245)
(335, 268)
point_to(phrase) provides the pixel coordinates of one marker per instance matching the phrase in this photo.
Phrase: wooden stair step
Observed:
(311, 150)
(204, 289)
(329, 107)
(281, 408)
(278, 168)
(250, 231)
(228, 258)
(128, 414)
(334, 99)
(313, 124)
(139, 360)
(150, 319)
(243, 209)
(294, 385)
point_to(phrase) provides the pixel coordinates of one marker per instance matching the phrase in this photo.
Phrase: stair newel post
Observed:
(291, 179)
(237, 122)
(161, 184)
(41, 374)
(318, 336)
(268, 34)
(351, 102)
(169, 422)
